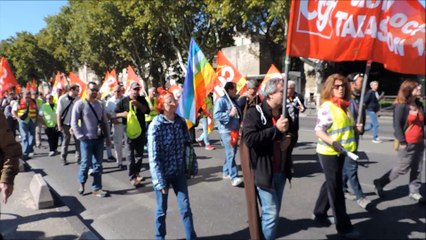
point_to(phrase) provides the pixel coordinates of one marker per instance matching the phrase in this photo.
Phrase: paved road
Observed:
(219, 209)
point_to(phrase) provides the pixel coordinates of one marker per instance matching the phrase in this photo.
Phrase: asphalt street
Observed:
(219, 209)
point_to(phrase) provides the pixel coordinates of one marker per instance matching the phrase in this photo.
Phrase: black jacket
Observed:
(371, 102)
(400, 116)
(259, 138)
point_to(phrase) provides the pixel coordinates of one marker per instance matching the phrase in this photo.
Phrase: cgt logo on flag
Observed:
(319, 14)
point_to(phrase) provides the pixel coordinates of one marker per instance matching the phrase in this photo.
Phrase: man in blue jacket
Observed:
(227, 115)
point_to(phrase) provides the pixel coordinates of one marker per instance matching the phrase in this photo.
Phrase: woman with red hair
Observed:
(167, 137)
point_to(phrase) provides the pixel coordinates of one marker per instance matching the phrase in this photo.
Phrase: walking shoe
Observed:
(31, 154)
(210, 147)
(81, 189)
(363, 202)
(91, 171)
(378, 188)
(51, 153)
(377, 140)
(111, 159)
(353, 234)
(121, 166)
(236, 182)
(323, 219)
(416, 197)
(226, 177)
(25, 157)
(136, 181)
(350, 196)
(200, 143)
(99, 193)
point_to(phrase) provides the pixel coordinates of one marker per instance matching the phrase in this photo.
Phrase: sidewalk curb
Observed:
(84, 231)
(75, 221)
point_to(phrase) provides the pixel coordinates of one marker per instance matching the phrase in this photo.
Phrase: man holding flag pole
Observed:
(227, 114)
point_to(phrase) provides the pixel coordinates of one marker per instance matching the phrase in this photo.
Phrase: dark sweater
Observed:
(259, 138)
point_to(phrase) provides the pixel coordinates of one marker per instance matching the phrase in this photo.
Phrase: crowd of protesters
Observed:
(269, 135)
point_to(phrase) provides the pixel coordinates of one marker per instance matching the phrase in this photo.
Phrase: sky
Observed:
(26, 15)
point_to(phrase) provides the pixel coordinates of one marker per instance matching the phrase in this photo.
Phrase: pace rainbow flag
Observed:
(199, 81)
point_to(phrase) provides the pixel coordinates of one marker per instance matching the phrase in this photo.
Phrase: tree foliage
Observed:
(152, 36)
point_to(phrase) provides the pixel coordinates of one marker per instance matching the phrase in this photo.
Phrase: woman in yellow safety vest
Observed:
(335, 129)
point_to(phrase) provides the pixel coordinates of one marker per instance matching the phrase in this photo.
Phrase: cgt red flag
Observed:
(389, 32)
(7, 80)
(227, 72)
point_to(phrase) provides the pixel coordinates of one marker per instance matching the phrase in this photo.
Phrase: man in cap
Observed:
(228, 116)
(135, 146)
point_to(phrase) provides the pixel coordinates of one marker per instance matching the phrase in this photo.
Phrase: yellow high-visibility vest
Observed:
(49, 115)
(341, 131)
(153, 112)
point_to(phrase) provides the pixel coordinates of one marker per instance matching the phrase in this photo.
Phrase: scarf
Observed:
(341, 103)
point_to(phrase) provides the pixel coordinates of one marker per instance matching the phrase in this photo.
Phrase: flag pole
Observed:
(230, 101)
(286, 67)
(364, 86)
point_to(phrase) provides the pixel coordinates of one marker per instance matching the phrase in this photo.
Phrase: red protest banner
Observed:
(389, 32)
(7, 80)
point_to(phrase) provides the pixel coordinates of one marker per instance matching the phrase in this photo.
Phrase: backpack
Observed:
(133, 129)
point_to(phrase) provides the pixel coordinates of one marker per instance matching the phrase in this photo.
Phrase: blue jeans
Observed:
(91, 150)
(374, 124)
(27, 132)
(350, 173)
(270, 201)
(180, 188)
(205, 135)
(229, 166)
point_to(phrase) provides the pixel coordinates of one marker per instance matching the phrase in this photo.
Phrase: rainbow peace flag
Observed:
(199, 82)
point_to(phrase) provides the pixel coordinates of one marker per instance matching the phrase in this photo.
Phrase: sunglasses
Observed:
(337, 86)
(358, 75)
(94, 90)
(137, 89)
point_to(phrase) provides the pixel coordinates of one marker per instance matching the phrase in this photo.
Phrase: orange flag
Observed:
(74, 79)
(109, 83)
(7, 80)
(28, 86)
(132, 77)
(17, 88)
(227, 72)
(272, 72)
(33, 85)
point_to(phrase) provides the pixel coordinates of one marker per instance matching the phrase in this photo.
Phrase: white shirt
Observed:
(110, 107)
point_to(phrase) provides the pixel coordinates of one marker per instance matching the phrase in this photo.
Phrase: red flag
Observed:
(272, 72)
(132, 77)
(389, 32)
(74, 79)
(7, 80)
(109, 83)
(17, 88)
(28, 86)
(33, 85)
(227, 72)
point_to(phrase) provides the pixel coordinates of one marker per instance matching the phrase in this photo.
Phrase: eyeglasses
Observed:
(118, 91)
(94, 90)
(357, 76)
(337, 86)
(137, 89)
